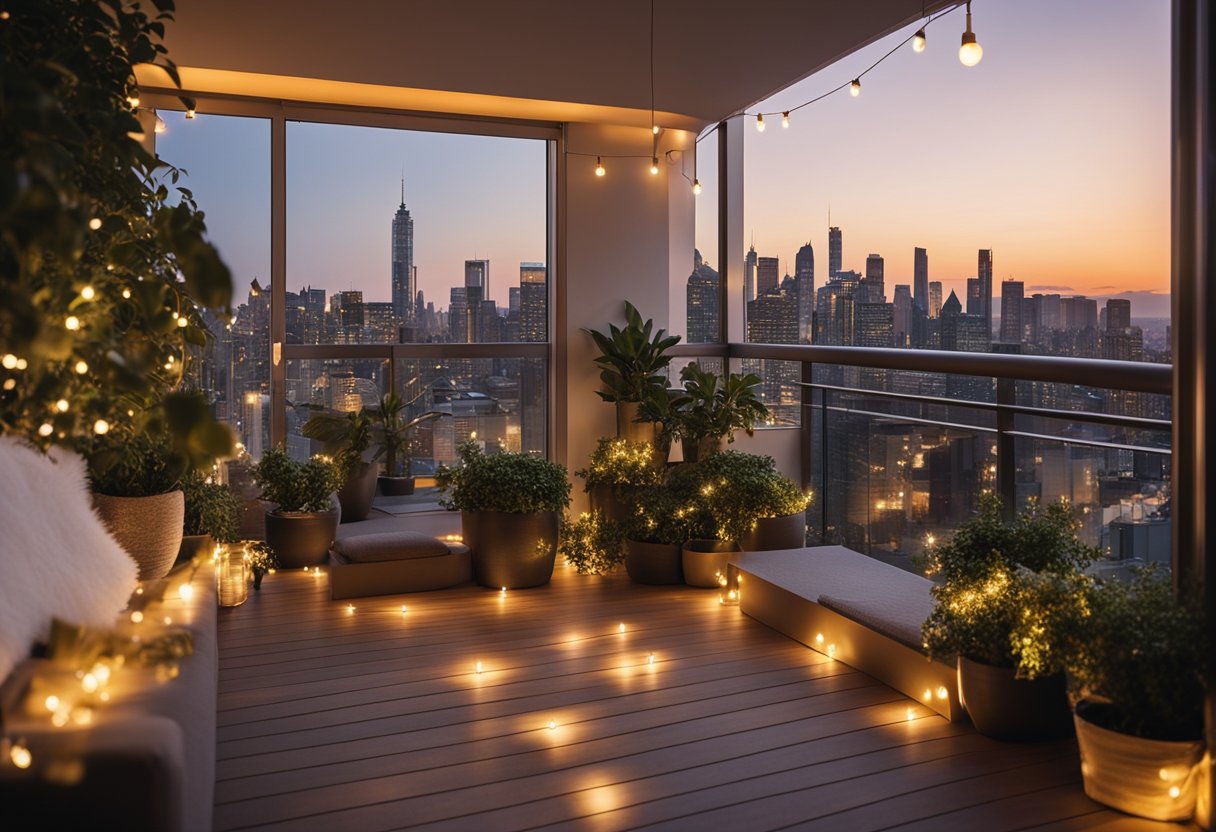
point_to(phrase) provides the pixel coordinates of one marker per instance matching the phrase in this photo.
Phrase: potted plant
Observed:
(661, 407)
(717, 407)
(987, 569)
(137, 492)
(212, 515)
(631, 362)
(391, 432)
(658, 524)
(617, 467)
(261, 561)
(301, 515)
(753, 503)
(510, 510)
(591, 543)
(1136, 660)
(347, 437)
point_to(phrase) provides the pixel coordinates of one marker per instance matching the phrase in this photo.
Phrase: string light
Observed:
(137, 617)
(599, 166)
(621, 628)
(350, 609)
(160, 126)
(185, 592)
(969, 52)
(918, 41)
(182, 321)
(95, 223)
(126, 293)
(46, 429)
(133, 101)
(403, 609)
(855, 87)
(9, 361)
(654, 129)
(88, 293)
(760, 123)
(20, 755)
(552, 725)
(82, 367)
(696, 187)
(654, 165)
(650, 659)
(62, 405)
(477, 667)
(190, 113)
(785, 119)
(72, 323)
(101, 427)
(942, 693)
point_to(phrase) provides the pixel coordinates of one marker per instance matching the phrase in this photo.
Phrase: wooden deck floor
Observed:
(378, 720)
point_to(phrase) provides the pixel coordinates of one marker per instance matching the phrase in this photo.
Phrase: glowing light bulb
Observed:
(126, 293)
(819, 638)
(621, 628)
(9, 361)
(81, 367)
(52, 703)
(760, 123)
(654, 129)
(137, 617)
(910, 715)
(942, 693)
(918, 41)
(478, 667)
(10, 384)
(20, 755)
(22, 363)
(101, 427)
(133, 101)
(855, 87)
(654, 165)
(72, 323)
(102, 672)
(190, 112)
(969, 52)
(350, 609)
(502, 590)
(46, 429)
(927, 695)
(785, 120)
(185, 592)
(183, 321)
(95, 223)
(88, 293)
(160, 125)
(831, 651)
(552, 725)
(89, 683)
(650, 659)
(403, 609)
(696, 187)
(1175, 792)
(599, 167)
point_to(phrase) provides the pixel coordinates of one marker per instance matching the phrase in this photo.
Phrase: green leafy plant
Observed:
(506, 482)
(296, 487)
(665, 513)
(621, 464)
(105, 262)
(988, 568)
(143, 465)
(391, 433)
(346, 436)
(664, 407)
(632, 357)
(717, 407)
(591, 544)
(261, 561)
(212, 508)
(737, 489)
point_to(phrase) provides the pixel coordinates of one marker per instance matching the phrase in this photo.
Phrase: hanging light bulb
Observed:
(696, 187)
(599, 167)
(760, 123)
(160, 125)
(855, 87)
(970, 52)
(654, 165)
(654, 128)
(918, 41)
(785, 119)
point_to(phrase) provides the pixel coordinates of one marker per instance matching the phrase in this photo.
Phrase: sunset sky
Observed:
(1054, 152)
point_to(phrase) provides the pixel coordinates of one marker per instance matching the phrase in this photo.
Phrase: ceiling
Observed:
(561, 60)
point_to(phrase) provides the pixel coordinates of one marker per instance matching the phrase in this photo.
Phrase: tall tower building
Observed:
(703, 302)
(985, 277)
(749, 274)
(804, 285)
(1118, 314)
(935, 299)
(768, 275)
(1012, 299)
(875, 286)
(477, 274)
(920, 278)
(404, 277)
(835, 251)
(533, 302)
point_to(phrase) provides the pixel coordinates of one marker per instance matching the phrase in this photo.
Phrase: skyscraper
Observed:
(935, 299)
(768, 275)
(902, 306)
(477, 273)
(749, 275)
(835, 251)
(1012, 295)
(533, 302)
(704, 303)
(985, 277)
(404, 277)
(804, 282)
(920, 278)
(875, 288)
(1118, 314)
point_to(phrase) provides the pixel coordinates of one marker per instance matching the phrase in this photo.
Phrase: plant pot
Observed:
(194, 545)
(704, 560)
(653, 563)
(511, 550)
(770, 533)
(396, 486)
(1136, 775)
(357, 493)
(148, 528)
(604, 499)
(301, 539)
(1007, 708)
(695, 450)
(627, 428)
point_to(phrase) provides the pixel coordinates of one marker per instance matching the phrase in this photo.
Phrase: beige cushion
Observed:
(388, 546)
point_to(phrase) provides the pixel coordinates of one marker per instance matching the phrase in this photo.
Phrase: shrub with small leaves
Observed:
(296, 487)
(736, 489)
(621, 464)
(211, 508)
(659, 514)
(591, 544)
(506, 482)
(261, 561)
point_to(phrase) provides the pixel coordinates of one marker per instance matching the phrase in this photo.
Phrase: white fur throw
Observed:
(56, 557)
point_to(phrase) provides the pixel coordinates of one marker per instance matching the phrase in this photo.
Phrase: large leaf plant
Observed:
(632, 357)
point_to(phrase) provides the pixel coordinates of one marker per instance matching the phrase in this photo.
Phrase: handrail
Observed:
(506, 349)
(1134, 376)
